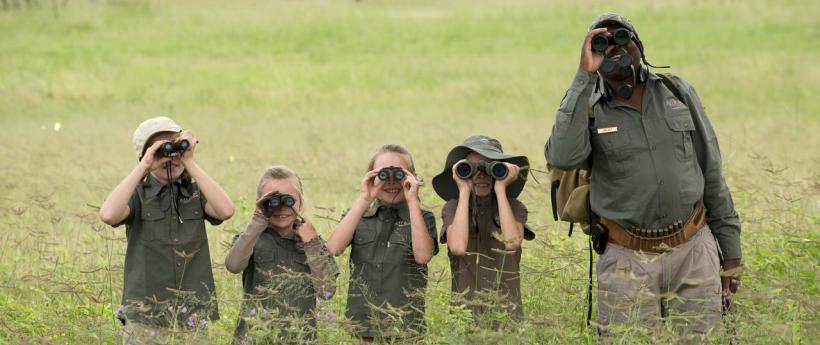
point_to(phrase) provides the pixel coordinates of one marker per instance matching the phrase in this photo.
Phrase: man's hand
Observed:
(590, 60)
(730, 276)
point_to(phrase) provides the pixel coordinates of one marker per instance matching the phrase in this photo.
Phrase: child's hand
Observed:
(306, 231)
(371, 185)
(188, 155)
(261, 208)
(512, 175)
(464, 186)
(150, 161)
(411, 186)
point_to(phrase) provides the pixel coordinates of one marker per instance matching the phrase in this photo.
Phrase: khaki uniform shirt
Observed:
(282, 281)
(487, 276)
(387, 286)
(167, 263)
(649, 168)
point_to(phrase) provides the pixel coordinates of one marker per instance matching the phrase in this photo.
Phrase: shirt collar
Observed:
(155, 187)
(402, 210)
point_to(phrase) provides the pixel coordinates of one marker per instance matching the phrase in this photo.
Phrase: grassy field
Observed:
(317, 85)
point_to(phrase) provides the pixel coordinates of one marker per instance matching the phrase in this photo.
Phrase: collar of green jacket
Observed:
(155, 187)
(402, 210)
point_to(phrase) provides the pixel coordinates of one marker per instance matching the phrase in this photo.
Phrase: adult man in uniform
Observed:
(656, 184)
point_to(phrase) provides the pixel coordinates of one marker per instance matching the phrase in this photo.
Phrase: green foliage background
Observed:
(317, 85)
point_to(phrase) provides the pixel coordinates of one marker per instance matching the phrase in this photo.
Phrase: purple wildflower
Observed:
(253, 312)
(264, 312)
(243, 342)
(119, 312)
(202, 324)
(191, 321)
(184, 310)
(328, 294)
(170, 309)
(153, 333)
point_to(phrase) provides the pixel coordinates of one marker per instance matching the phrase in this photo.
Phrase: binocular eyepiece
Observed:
(277, 199)
(620, 36)
(391, 173)
(496, 170)
(172, 149)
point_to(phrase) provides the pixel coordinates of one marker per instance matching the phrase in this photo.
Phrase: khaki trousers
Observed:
(681, 287)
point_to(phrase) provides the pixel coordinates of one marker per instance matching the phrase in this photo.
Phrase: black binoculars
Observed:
(391, 173)
(496, 170)
(620, 69)
(620, 36)
(171, 149)
(278, 199)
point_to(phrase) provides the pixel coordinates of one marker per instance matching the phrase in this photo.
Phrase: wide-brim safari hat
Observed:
(446, 187)
(149, 128)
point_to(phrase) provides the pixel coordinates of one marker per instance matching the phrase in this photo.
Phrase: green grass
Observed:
(317, 85)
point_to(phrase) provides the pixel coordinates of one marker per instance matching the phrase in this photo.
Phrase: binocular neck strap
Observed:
(174, 202)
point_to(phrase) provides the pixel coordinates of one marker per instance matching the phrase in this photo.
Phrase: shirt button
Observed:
(654, 147)
(179, 264)
(660, 182)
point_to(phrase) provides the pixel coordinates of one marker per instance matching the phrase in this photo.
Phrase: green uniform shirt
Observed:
(648, 168)
(385, 275)
(487, 270)
(167, 263)
(278, 283)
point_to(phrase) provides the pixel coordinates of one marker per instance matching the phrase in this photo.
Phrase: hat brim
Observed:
(446, 187)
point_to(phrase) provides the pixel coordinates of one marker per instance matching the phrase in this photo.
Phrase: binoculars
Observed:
(277, 199)
(391, 173)
(171, 149)
(620, 69)
(496, 170)
(620, 36)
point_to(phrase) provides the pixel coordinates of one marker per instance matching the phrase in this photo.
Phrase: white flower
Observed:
(57, 126)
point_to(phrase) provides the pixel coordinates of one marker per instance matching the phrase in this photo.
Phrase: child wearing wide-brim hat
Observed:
(484, 225)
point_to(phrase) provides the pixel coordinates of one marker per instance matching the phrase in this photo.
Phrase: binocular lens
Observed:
(621, 37)
(399, 175)
(167, 147)
(290, 201)
(183, 145)
(464, 170)
(499, 171)
(600, 43)
(384, 175)
(274, 202)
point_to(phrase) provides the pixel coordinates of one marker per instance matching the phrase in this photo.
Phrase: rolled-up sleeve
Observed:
(720, 209)
(568, 146)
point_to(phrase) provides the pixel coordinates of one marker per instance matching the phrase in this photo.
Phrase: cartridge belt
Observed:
(657, 240)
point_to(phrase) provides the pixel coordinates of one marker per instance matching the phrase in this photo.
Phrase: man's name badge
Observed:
(607, 130)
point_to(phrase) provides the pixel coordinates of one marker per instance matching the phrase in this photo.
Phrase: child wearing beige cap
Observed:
(168, 292)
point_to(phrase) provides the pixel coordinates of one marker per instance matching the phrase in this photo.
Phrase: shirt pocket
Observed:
(365, 237)
(400, 245)
(192, 227)
(612, 147)
(680, 123)
(154, 223)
